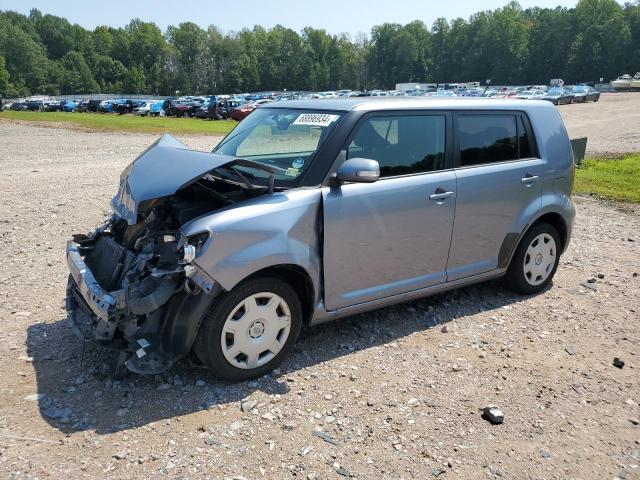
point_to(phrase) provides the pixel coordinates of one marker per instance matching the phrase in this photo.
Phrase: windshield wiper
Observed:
(236, 173)
(243, 162)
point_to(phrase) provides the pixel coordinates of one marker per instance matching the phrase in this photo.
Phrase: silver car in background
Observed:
(314, 210)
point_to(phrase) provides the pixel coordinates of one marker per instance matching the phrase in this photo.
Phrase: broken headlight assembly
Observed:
(190, 246)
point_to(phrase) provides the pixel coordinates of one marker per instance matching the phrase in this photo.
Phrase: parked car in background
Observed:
(106, 106)
(7, 106)
(223, 253)
(124, 106)
(142, 110)
(89, 106)
(35, 105)
(530, 95)
(558, 96)
(19, 106)
(214, 108)
(241, 111)
(203, 110)
(70, 106)
(157, 109)
(442, 93)
(470, 93)
(183, 108)
(52, 106)
(584, 93)
(221, 109)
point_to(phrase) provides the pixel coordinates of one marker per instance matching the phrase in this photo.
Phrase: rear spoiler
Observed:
(579, 147)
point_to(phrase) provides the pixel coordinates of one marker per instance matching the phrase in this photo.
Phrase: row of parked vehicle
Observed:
(556, 95)
(214, 107)
(237, 107)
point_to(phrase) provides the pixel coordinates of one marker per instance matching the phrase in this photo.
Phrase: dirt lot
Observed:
(395, 393)
(612, 124)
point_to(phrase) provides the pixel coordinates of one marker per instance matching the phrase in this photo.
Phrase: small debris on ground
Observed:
(493, 414)
(325, 437)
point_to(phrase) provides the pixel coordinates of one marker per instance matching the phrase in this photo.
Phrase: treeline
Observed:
(45, 54)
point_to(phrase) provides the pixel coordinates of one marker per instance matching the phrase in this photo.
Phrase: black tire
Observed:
(208, 346)
(515, 278)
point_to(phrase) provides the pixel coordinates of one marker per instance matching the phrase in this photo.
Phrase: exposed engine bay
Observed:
(139, 294)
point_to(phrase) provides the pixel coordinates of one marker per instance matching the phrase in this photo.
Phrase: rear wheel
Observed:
(535, 261)
(250, 330)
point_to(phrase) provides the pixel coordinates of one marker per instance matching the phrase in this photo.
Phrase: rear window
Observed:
(486, 138)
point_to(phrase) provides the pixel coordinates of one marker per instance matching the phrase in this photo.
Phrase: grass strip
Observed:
(125, 123)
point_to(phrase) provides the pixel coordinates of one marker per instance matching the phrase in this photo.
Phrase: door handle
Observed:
(441, 196)
(529, 180)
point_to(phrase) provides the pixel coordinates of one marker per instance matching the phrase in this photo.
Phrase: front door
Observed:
(392, 236)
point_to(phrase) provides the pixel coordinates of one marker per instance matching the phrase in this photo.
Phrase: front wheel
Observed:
(535, 261)
(250, 330)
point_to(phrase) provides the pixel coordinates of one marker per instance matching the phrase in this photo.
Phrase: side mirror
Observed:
(358, 170)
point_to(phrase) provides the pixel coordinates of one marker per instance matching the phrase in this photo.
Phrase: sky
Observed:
(335, 16)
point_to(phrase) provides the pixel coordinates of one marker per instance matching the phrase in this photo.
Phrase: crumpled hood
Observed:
(161, 170)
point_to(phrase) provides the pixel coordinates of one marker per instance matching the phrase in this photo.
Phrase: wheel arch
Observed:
(299, 279)
(512, 241)
(558, 222)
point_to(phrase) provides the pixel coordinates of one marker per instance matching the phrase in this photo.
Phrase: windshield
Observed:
(285, 138)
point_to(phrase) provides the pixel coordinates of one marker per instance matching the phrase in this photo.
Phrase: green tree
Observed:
(48, 54)
(602, 41)
(135, 81)
(55, 34)
(77, 76)
(189, 42)
(4, 77)
(632, 19)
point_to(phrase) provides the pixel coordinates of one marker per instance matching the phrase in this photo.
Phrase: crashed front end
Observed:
(132, 285)
(137, 294)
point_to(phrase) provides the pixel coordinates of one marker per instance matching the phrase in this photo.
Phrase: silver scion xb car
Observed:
(314, 210)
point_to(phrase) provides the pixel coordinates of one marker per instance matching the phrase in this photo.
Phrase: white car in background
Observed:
(142, 110)
(531, 95)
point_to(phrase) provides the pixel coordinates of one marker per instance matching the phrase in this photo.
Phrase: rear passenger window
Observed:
(401, 144)
(487, 139)
(492, 138)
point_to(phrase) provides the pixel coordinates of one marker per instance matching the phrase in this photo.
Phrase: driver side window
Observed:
(401, 144)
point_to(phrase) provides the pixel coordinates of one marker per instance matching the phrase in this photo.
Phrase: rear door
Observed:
(391, 236)
(499, 188)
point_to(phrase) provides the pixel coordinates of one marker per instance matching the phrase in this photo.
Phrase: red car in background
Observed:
(240, 112)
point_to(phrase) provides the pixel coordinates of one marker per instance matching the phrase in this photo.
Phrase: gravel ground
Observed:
(395, 393)
(612, 125)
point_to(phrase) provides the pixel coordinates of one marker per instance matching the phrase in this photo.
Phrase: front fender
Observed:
(271, 230)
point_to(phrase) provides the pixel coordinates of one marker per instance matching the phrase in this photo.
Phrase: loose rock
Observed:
(493, 414)
(248, 405)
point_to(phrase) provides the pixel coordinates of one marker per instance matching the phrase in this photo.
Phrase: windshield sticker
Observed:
(316, 119)
(292, 172)
(298, 163)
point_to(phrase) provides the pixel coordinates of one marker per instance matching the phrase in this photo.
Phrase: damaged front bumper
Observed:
(90, 308)
(155, 330)
(97, 299)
